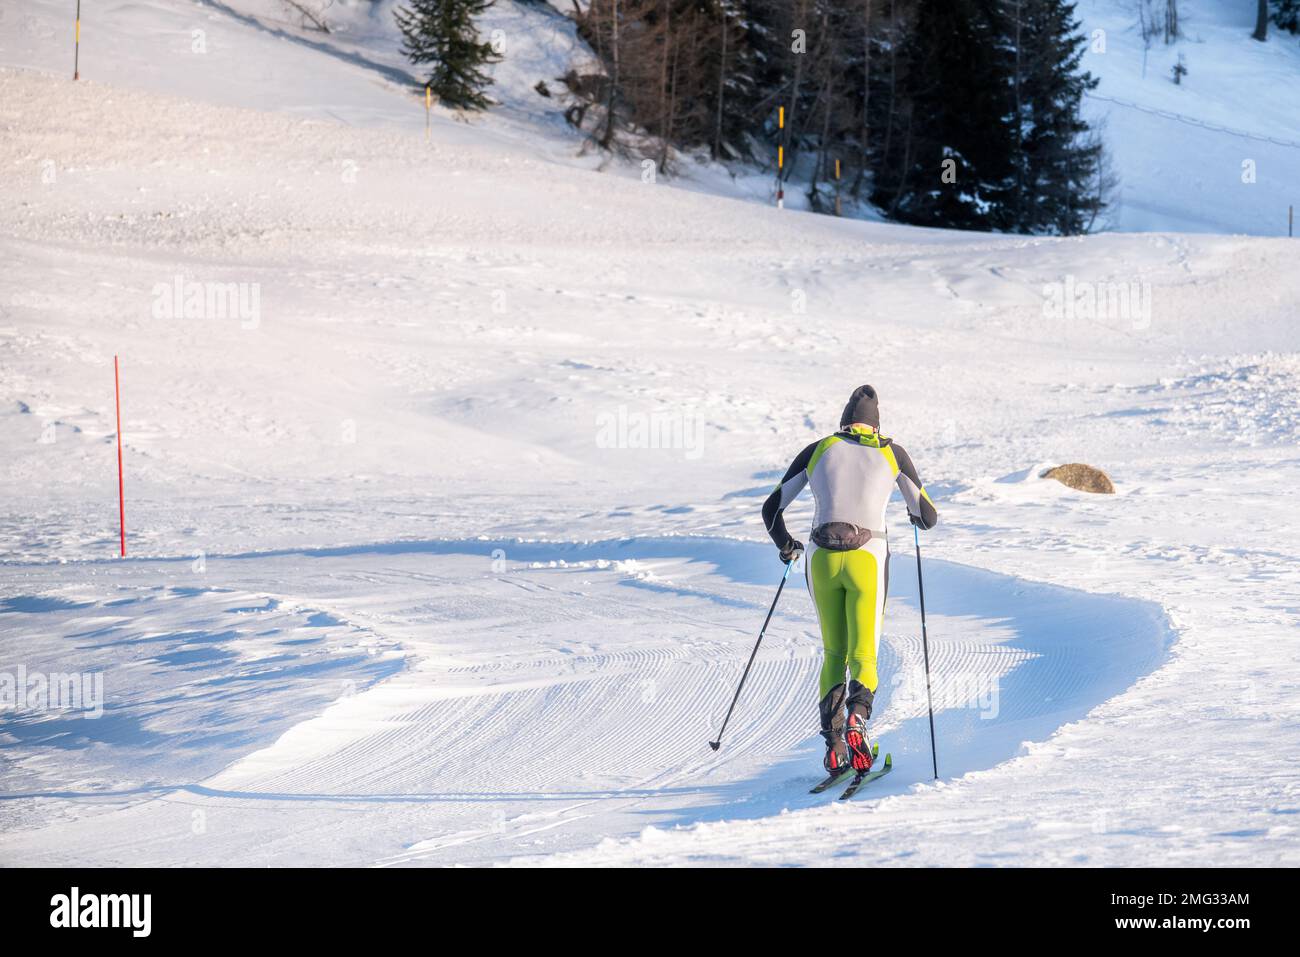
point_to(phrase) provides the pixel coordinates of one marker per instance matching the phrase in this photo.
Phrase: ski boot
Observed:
(859, 744)
(831, 708)
(855, 733)
(837, 755)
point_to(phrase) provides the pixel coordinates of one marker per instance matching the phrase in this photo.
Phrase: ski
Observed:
(867, 778)
(842, 774)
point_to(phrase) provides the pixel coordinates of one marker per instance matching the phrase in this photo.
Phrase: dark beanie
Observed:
(864, 406)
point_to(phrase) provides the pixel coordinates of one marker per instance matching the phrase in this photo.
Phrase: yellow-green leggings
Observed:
(848, 589)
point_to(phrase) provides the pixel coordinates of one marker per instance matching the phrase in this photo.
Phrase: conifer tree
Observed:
(1286, 14)
(442, 33)
(956, 170)
(1055, 158)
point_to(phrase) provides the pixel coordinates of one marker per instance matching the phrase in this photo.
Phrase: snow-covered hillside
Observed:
(1176, 151)
(445, 546)
(1219, 151)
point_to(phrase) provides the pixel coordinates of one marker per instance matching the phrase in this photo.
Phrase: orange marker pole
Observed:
(780, 159)
(121, 497)
(76, 48)
(428, 110)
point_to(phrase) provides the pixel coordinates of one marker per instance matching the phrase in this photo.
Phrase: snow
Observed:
(1178, 149)
(410, 583)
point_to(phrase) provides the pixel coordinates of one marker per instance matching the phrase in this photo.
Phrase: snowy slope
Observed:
(395, 597)
(1178, 150)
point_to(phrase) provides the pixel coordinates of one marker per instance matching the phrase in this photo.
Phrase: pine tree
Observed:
(732, 60)
(990, 132)
(885, 120)
(1286, 14)
(956, 139)
(442, 33)
(1055, 157)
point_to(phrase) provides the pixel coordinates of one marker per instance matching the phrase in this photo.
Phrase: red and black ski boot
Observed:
(859, 745)
(832, 715)
(855, 732)
(837, 755)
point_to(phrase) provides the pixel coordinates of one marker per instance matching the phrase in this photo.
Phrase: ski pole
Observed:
(718, 743)
(925, 647)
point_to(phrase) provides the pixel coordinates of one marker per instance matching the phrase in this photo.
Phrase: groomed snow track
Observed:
(546, 684)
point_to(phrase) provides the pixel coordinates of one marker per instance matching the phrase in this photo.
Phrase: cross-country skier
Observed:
(852, 474)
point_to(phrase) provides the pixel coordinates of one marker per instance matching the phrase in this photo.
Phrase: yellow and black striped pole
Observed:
(76, 47)
(780, 157)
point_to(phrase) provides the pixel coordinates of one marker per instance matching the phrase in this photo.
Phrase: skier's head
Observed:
(863, 406)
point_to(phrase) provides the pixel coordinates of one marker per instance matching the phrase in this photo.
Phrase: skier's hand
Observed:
(916, 520)
(791, 551)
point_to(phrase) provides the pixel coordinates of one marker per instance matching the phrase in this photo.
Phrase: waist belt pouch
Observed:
(840, 536)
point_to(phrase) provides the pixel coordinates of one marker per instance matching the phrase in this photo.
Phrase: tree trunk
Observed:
(1261, 22)
(1019, 205)
(907, 161)
(819, 167)
(614, 81)
(866, 99)
(667, 80)
(828, 65)
(794, 100)
(722, 77)
(893, 86)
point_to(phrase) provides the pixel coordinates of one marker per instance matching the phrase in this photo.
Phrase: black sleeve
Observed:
(791, 484)
(914, 494)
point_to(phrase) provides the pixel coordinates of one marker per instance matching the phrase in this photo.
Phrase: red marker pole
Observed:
(121, 497)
